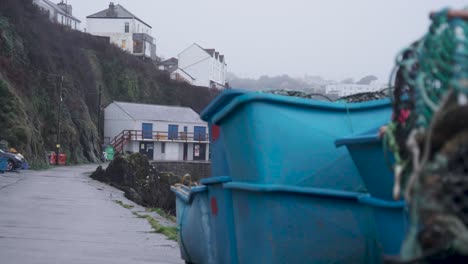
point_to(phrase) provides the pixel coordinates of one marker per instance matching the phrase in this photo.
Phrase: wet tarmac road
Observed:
(63, 216)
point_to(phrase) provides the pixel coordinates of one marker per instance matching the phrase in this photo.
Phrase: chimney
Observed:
(111, 10)
(67, 8)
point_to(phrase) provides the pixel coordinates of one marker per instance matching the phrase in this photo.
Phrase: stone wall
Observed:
(149, 184)
(197, 170)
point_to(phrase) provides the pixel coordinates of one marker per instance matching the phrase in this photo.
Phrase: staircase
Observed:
(121, 140)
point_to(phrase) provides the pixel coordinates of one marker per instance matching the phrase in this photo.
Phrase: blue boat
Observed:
(373, 164)
(286, 140)
(281, 191)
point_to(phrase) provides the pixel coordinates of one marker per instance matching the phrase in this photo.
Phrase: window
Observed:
(62, 20)
(147, 130)
(199, 133)
(124, 44)
(138, 28)
(173, 132)
(137, 46)
(127, 27)
(163, 147)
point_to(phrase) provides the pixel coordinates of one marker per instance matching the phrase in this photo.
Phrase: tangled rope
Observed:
(429, 138)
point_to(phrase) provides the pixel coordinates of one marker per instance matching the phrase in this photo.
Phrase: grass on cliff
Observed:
(170, 232)
(162, 213)
(124, 205)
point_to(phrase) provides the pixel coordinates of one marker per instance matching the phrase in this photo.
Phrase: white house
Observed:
(343, 89)
(61, 13)
(123, 29)
(207, 67)
(158, 131)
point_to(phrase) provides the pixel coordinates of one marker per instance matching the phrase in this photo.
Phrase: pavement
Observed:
(63, 216)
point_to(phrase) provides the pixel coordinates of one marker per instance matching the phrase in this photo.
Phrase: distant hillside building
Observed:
(206, 67)
(343, 89)
(169, 65)
(123, 29)
(157, 131)
(60, 13)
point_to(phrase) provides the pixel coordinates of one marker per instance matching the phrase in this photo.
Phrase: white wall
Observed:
(203, 67)
(132, 146)
(163, 126)
(115, 30)
(147, 48)
(116, 120)
(179, 74)
(190, 151)
(139, 27)
(106, 25)
(201, 71)
(172, 151)
(196, 62)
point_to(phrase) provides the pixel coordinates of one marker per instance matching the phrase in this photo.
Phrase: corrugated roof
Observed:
(159, 112)
(118, 12)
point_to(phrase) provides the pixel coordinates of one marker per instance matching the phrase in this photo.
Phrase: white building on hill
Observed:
(61, 13)
(123, 29)
(342, 89)
(202, 67)
(157, 131)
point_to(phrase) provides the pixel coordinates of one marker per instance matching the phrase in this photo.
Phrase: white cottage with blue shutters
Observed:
(158, 131)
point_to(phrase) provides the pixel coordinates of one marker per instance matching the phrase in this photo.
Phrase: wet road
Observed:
(63, 216)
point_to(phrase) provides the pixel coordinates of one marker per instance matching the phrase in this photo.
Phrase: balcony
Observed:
(143, 45)
(140, 135)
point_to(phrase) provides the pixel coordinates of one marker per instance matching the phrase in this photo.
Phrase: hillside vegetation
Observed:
(34, 52)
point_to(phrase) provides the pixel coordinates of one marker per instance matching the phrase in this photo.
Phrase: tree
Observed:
(348, 81)
(367, 79)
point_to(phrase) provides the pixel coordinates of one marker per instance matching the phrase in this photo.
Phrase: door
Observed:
(199, 133)
(199, 151)
(147, 130)
(147, 149)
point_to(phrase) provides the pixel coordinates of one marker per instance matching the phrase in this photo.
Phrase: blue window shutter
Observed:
(173, 132)
(147, 129)
(199, 133)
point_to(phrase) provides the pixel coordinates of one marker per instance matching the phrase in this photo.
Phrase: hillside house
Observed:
(60, 13)
(160, 132)
(169, 65)
(206, 67)
(123, 29)
(343, 89)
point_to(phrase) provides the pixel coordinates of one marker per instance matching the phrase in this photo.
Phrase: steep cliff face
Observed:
(35, 53)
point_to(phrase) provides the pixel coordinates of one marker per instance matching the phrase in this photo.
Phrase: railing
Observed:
(120, 141)
(125, 136)
(165, 136)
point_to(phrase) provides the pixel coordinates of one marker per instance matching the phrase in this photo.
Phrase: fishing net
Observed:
(429, 138)
(354, 98)
(364, 97)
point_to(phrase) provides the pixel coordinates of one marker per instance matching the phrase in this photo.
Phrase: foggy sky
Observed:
(332, 38)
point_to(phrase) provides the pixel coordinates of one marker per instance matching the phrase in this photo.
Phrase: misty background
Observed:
(286, 41)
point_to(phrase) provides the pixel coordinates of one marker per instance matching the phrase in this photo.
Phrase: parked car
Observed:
(14, 160)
